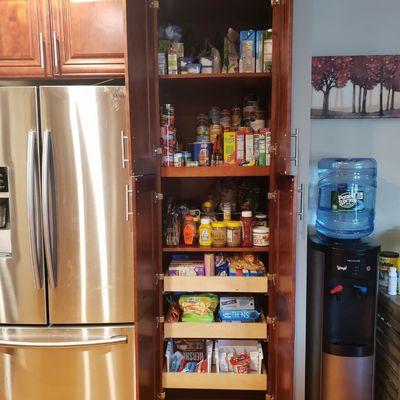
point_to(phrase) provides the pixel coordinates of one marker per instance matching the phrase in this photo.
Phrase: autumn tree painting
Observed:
(356, 86)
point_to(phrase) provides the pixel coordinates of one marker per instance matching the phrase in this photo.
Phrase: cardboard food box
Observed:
(247, 58)
(230, 148)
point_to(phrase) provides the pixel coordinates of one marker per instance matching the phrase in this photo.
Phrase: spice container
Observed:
(233, 234)
(227, 211)
(189, 231)
(218, 235)
(247, 224)
(261, 220)
(205, 232)
(260, 236)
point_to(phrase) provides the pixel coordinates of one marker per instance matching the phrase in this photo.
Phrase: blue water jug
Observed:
(346, 201)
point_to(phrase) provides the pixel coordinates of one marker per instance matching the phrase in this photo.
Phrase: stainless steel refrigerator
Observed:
(66, 254)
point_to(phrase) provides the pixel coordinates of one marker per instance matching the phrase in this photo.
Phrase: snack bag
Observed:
(198, 307)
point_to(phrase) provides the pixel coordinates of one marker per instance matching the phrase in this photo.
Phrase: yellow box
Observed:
(230, 148)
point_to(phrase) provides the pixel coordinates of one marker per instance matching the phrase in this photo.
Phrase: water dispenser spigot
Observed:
(337, 292)
(361, 291)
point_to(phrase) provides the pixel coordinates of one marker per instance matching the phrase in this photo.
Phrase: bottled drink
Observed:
(347, 191)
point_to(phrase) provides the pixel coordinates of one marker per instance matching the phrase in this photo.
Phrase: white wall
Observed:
(342, 27)
(360, 27)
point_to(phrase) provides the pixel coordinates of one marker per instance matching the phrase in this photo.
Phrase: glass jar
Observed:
(218, 235)
(233, 234)
(202, 131)
(260, 236)
(261, 220)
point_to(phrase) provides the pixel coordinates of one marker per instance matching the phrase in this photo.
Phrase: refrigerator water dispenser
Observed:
(5, 231)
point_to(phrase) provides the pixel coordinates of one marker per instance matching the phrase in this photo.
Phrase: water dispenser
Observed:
(5, 231)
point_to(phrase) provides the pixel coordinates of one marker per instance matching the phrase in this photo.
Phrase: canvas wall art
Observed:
(356, 87)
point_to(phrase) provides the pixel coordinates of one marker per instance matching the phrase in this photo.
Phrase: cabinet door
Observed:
(142, 85)
(88, 38)
(282, 84)
(24, 39)
(282, 294)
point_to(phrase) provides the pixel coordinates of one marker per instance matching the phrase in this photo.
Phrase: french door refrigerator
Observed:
(66, 256)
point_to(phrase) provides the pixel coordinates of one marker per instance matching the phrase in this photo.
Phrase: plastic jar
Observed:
(218, 235)
(205, 232)
(233, 234)
(260, 236)
(347, 190)
(202, 131)
(247, 225)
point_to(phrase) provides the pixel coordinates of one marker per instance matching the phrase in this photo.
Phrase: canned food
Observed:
(187, 156)
(202, 153)
(167, 115)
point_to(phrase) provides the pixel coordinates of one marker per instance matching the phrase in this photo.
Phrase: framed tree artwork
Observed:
(356, 87)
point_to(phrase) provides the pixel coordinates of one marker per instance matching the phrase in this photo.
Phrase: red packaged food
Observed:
(240, 363)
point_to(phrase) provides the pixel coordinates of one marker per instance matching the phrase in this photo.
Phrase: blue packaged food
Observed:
(221, 265)
(239, 315)
(176, 362)
(202, 153)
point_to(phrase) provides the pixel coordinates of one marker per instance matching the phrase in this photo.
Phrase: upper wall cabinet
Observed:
(61, 38)
(88, 37)
(24, 39)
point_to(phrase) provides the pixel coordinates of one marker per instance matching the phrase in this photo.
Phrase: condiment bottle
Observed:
(189, 231)
(205, 232)
(247, 225)
(227, 211)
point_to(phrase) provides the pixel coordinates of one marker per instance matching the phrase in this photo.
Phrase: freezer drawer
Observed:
(67, 363)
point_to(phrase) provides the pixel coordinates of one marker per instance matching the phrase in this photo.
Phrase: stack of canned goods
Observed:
(168, 134)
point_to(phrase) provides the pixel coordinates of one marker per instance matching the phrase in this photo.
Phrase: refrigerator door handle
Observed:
(48, 212)
(14, 344)
(33, 204)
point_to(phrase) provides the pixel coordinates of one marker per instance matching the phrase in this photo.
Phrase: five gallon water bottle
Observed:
(347, 191)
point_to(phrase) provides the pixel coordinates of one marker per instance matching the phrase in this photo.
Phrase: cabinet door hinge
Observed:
(161, 396)
(157, 197)
(154, 4)
(271, 278)
(269, 397)
(275, 2)
(273, 149)
(157, 150)
(273, 195)
(272, 321)
(159, 320)
(159, 277)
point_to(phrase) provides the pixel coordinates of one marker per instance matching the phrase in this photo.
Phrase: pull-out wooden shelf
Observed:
(242, 75)
(203, 249)
(223, 381)
(214, 172)
(216, 330)
(221, 284)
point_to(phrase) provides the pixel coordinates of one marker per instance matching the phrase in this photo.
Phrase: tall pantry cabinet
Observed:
(152, 184)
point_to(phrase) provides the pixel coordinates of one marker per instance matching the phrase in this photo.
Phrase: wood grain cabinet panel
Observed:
(88, 37)
(24, 39)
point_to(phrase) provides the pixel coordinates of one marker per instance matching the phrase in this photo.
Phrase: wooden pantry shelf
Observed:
(222, 284)
(203, 249)
(248, 75)
(212, 380)
(216, 330)
(213, 172)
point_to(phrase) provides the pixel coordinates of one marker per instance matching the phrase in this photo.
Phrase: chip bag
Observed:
(198, 307)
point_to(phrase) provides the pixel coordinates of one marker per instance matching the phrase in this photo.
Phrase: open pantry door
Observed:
(146, 245)
(141, 78)
(286, 142)
(142, 140)
(282, 293)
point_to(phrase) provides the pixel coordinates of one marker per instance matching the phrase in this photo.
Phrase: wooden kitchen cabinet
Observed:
(61, 38)
(87, 38)
(25, 49)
